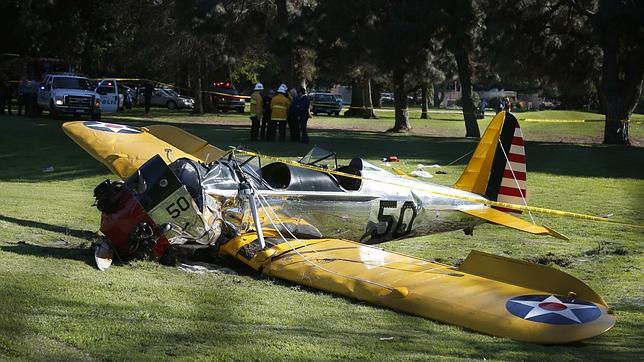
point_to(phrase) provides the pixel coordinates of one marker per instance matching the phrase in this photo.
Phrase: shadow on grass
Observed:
(32, 144)
(64, 252)
(83, 234)
(72, 253)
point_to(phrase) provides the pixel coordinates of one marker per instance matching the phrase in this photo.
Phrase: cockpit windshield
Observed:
(320, 157)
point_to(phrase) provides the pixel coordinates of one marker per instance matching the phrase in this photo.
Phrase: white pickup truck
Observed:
(69, 94)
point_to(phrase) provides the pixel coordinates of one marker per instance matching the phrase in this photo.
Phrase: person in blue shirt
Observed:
(301, 114)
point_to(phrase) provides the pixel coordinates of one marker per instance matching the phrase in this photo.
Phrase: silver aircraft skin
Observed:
(378, 207)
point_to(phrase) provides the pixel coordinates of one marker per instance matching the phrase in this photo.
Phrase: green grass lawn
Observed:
(57, 305)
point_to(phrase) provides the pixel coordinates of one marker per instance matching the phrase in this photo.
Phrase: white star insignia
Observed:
(116, 128)
(553, 305)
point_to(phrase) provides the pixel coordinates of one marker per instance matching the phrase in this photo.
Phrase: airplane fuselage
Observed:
(384, 207)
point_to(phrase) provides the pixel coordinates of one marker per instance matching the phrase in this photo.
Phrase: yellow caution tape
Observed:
(227, 95)
(445, 194)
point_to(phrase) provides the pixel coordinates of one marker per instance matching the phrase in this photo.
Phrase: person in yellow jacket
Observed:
(279, 109)
(256, 111)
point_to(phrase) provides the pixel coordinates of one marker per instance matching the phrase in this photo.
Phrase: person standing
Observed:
(4, 91)
(23, 89)
(302, 113)
(147, 95)
(266, 118)
(256, 111)
(279, 109)
(291, 117)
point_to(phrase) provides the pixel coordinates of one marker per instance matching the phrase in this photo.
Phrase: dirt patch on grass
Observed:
(606, 248)
(550, 259)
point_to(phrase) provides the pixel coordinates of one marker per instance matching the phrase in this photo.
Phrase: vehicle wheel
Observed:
(52, 110)
(171, 105)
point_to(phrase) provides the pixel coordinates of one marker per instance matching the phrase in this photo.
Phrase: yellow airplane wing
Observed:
(123, 149)
(501, 218)
(186, 142)
(489, 294)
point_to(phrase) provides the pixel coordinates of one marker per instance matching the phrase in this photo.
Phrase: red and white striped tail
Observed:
(513, 188)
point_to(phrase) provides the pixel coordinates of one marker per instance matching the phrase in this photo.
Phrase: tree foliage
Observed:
(583, 52)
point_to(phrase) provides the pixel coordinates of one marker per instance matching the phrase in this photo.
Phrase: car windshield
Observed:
(70, 83)
(103, 90)
(232, 91)
(172, 92)
(324, 98)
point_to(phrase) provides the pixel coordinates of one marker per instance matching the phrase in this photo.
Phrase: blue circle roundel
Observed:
(553, 309)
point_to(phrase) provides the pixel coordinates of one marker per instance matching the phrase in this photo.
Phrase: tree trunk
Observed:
(439, 94)
(198, 93)
(357, 101)
(619, 96)
(206, 99)
(423, 101)
(430, 95)
(469, 109)
(208, 106)
(283, 50)
(368, 103)
(375, 95)
(400, 103)
(300, 83)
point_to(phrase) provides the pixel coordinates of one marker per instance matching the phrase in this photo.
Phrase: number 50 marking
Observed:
(175, 208)
(401, 228)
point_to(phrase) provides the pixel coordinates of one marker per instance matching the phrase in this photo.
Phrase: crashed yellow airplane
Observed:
(295, 220)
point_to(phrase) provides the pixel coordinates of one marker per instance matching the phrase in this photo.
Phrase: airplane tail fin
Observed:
(497, 169)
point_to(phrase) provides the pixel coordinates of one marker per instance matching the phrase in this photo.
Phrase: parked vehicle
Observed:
(69, 94)
(166, 97)
(386, 98)
(339, 98)
(226, 98)
(325, 103)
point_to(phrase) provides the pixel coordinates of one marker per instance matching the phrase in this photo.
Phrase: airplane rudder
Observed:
(476, 175)
(508, 176)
